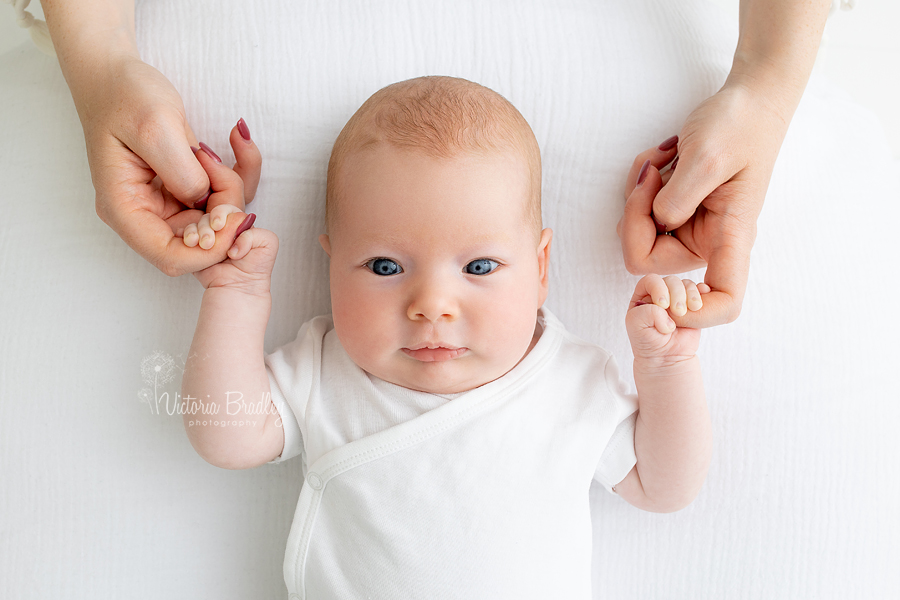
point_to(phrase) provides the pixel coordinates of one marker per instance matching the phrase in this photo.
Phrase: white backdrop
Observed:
(101, 495)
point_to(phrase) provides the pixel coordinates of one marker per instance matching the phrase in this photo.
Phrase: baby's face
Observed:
(436, 278)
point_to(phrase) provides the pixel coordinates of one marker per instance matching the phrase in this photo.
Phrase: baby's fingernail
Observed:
(210, 152)
(201, 203)
(679, 307)
(663, 303)
(246, 224)
(668, 144)
(243, 129)
(643, 174)
(216, 223)
(671, 325)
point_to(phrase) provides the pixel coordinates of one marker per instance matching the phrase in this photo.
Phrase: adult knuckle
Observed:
(169, 267)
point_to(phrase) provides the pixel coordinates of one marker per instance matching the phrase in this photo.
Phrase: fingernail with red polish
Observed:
(643, 174)
(674, 162)
(201, 203)
(246, 224)
(243, 130)
(668, 144)
(660, 228)
(210, 152)
(195, 149)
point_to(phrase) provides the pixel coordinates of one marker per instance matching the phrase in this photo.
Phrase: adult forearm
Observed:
(87, 35)
(225, 389)
(777, 48)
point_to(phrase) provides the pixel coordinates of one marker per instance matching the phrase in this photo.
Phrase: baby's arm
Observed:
(673, 437)
(230, 419)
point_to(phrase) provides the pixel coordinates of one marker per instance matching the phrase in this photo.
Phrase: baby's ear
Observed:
(326, 244)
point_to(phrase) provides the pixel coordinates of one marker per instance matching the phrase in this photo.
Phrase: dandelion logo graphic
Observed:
(157, 369)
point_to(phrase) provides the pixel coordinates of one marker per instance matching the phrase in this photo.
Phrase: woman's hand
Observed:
(709, 204)
(144, 172)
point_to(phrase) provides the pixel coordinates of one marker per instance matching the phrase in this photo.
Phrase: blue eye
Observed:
(384, 266)
(482, 266)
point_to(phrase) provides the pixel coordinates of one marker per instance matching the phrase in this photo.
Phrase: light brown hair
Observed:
(441, 117)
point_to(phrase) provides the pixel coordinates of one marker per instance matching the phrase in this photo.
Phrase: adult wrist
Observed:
(89, 37)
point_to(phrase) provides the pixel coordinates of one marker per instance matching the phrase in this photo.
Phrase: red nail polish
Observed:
(674, 162)
(210, 152)
(201, 203)
(660, 228)
(643, 174)
(246, 224)
(668, 144)
(195, 149)
(243, 130)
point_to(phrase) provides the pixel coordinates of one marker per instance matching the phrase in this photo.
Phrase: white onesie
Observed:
(482, 494)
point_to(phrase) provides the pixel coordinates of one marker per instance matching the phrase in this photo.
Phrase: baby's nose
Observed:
(433, 301)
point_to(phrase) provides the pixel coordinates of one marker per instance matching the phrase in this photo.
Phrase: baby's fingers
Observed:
(651, 289)
(219, 215)
(694, 301)
(677, 296)
(645, 317)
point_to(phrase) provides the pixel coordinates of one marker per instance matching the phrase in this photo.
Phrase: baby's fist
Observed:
(651, 327)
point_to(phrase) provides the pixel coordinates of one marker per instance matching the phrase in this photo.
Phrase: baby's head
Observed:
(433, 220)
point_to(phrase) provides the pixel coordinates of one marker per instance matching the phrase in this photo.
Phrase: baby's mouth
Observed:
(425, 353)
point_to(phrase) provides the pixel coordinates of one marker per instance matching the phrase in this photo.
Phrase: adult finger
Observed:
(248, 159)
(152, 238)
(726, 278)
(166, 149)
(226, 185)
(697, 176)
(659, 157)
(643, 250)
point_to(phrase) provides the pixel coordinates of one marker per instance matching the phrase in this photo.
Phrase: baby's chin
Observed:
(444, 378)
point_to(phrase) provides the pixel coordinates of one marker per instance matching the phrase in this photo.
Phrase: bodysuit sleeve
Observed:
(293, 370)
(618, 457)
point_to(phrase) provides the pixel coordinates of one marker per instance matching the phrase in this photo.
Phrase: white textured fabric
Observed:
(410, 495)
(102, 496)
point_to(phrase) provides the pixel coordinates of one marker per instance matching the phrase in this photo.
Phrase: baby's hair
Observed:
(441, 117)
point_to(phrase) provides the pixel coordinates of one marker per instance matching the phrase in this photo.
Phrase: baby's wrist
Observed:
(666, 365)
(249, 293)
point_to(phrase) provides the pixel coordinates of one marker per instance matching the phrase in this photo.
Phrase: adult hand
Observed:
(144, 172)
(709, 204)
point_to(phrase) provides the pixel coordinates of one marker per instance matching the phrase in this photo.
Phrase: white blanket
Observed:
(102, 496)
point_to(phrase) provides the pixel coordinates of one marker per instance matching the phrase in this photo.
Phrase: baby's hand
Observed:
(248, 267)
(651, 329)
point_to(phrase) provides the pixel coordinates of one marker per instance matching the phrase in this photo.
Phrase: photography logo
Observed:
(157, 370)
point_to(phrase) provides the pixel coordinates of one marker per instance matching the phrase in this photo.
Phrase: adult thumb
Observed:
(691, 182)
(170, 156)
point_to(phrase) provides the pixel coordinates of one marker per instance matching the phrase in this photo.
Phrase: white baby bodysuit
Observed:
(482, 494)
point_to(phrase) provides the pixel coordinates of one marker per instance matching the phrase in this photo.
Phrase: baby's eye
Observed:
(482, 266)
(384, 266)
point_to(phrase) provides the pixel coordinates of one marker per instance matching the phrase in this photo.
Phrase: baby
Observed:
(449, 426)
